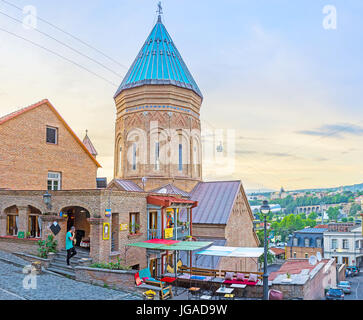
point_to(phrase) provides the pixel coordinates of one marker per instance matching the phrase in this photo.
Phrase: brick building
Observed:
(39, 151)
(305, 243)
(157, 191)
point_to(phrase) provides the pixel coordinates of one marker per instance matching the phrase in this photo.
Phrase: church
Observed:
(158, 190)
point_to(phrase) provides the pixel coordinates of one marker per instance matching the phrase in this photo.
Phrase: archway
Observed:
(78, 217)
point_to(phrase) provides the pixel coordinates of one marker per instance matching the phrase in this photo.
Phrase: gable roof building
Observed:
(39, 150)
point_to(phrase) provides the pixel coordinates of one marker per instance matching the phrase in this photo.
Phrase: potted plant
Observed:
(28, 235)
(137, 228)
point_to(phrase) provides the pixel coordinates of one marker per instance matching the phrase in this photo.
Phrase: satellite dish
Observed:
(163, 190)
(313, 260)
(318, 256)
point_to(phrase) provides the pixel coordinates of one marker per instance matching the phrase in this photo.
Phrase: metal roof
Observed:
(159, 62)
(89, 145)
(171, 189)
(215, 201)
(128, 185)
(312, 230)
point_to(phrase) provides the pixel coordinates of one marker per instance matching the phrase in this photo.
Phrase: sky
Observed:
(289, 88)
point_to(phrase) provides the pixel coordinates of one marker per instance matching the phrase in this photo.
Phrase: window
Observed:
(134, 224)
(334, 244)
(52, 135)
(54, 181)
(157, 155)
(318, 243)
(180, 157)
(306, 255)
(120, 161)
(12, 225)
(336, 259)
(295, 242)
(307, 242)
(345, 260)
(33, 226)
(345, 244)
(134, 149)
(294, 254)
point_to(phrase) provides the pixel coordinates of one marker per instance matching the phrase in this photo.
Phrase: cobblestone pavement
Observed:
(50, 287)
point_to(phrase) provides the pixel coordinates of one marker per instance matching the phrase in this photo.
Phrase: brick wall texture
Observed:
(26, 158)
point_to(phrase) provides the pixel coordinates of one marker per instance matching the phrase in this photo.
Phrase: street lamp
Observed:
(265, 210)
(47, 198)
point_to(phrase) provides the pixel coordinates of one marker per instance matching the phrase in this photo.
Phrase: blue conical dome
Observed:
(159, 62)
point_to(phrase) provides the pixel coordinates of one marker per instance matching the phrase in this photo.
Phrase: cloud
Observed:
(334, 130)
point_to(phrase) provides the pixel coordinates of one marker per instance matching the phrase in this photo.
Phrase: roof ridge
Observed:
(49, 104)
(22, 110)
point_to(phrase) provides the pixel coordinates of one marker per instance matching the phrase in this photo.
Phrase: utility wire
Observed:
(59, 55)
(69, 34)
(66, 45)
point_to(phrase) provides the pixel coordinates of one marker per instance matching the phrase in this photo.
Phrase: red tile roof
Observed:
(294, 266)
(319, 226)
(277, 251)
(17, 113)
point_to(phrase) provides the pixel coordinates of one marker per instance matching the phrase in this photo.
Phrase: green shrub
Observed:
(50, 245)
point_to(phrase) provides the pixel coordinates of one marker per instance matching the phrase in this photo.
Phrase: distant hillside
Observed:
(353, 188)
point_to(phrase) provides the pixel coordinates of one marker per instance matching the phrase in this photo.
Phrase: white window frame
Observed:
(53, 180)
(345, 241)
(334, 243)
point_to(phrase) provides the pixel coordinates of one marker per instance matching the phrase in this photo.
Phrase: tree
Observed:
(333, 213)
(312, 216)
(354, 209)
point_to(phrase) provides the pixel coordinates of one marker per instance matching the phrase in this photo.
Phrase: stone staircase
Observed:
(59, 263)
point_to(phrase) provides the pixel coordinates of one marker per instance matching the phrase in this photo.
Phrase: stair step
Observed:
(61, 265)
(63, 272)
(64, 260)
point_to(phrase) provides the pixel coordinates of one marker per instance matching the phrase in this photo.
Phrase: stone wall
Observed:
(26, 157)
(18, 245)
(119, 279)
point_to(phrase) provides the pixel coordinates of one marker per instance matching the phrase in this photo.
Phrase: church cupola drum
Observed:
(158, 138)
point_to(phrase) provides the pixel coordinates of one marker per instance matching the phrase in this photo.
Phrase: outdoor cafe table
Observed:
(222, 290)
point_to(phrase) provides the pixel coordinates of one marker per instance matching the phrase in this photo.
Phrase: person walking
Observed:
(71, 251)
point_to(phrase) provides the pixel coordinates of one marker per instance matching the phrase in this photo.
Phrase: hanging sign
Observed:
(124, 227)
(106, 231)
(168, 233)
(107, 213)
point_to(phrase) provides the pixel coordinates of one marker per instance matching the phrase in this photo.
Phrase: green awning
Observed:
(179, 246)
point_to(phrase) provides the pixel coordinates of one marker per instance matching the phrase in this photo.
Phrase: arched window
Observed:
(12, 220)
(120, 161)
(180, 166)
(134, 150)
(157, 155)
(295, 242)
(307, 242)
